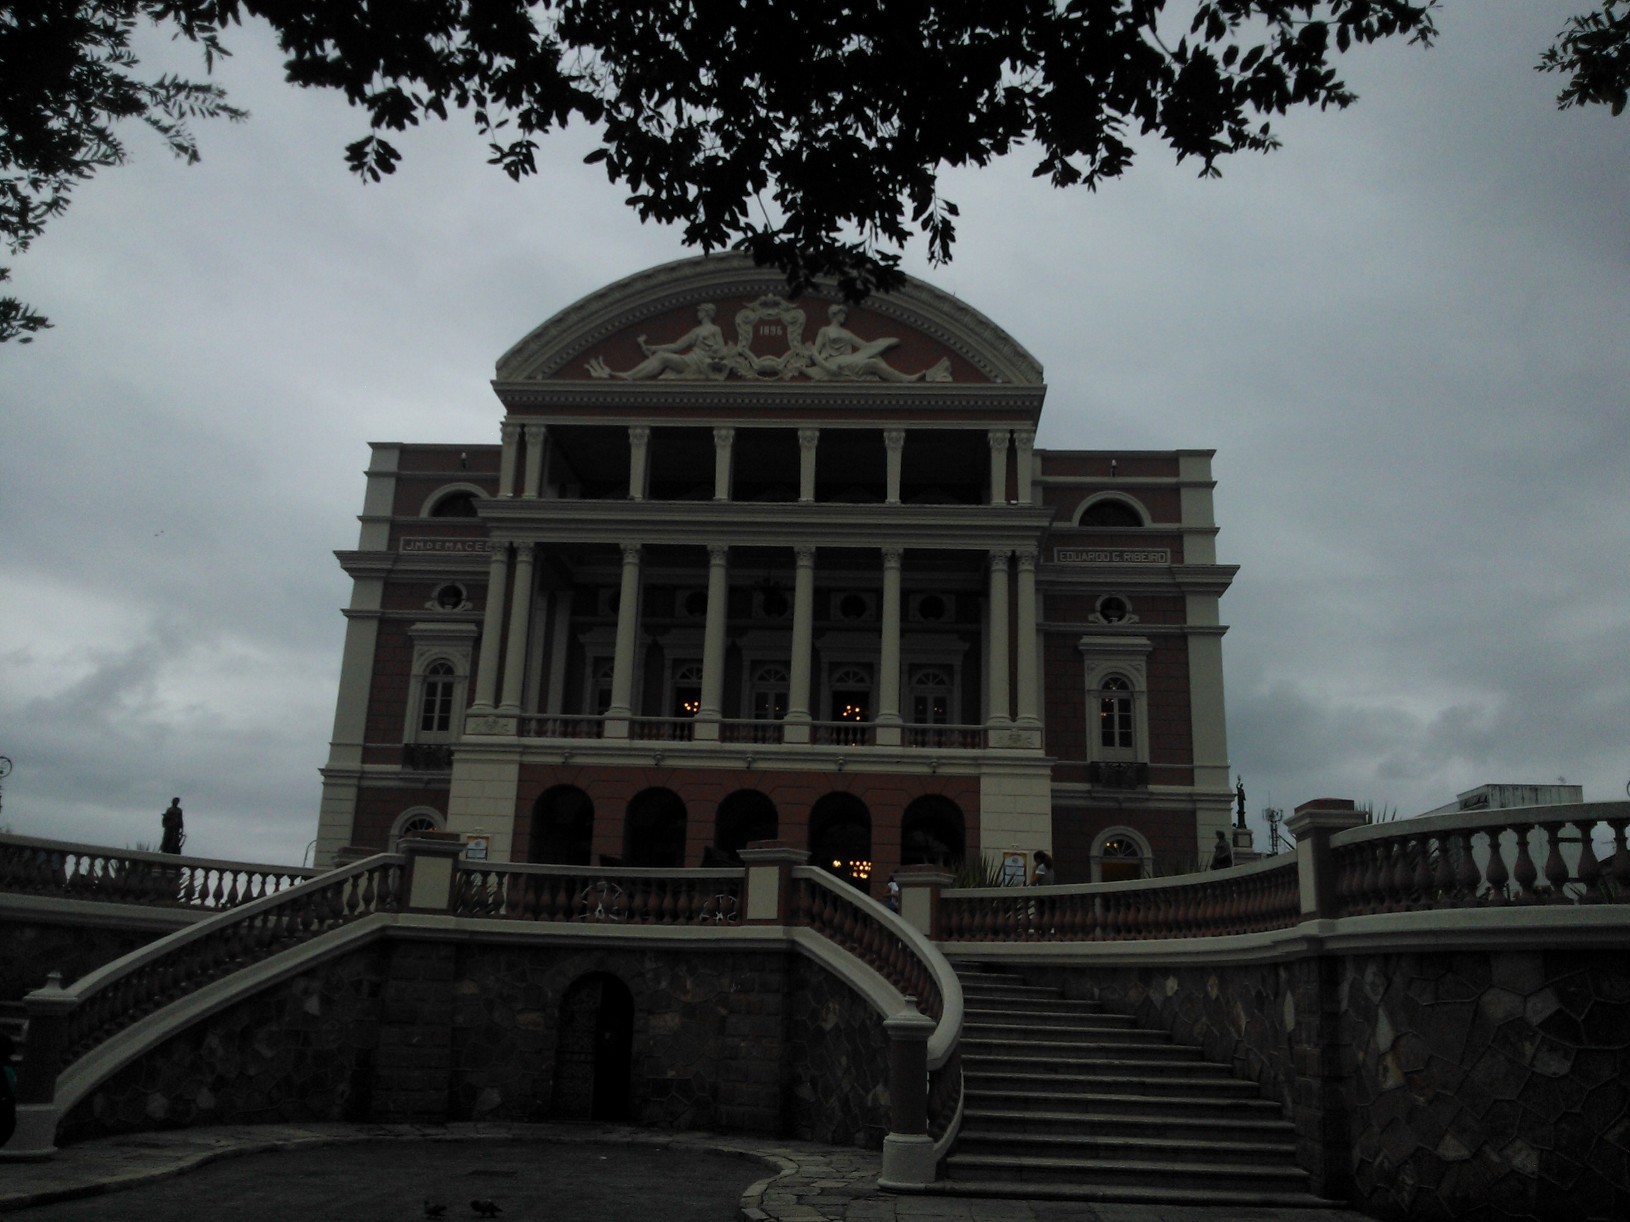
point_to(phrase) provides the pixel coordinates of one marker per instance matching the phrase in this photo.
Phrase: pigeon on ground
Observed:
(433, 1209)
(486, 1209)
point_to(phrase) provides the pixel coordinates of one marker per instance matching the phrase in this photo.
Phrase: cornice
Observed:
(828, 405)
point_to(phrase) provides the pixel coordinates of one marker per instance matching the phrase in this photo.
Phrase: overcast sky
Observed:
(1403, 334)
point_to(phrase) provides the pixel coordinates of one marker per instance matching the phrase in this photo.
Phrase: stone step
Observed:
(1221, 1202)
(988, 1014)
(1054, 1135)
(1231, 1108)
(1168, 1174)
(1114, 1080)
(1058, 1045)
(1110, 1063)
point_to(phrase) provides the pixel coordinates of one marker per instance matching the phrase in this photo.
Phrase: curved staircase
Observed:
(1064, 1101)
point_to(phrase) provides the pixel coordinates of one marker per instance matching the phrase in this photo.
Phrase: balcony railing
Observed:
(736, 730)
(562, 725)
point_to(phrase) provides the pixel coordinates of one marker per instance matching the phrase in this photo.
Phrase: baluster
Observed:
(1556, 870)
(1620, 893)
(1523, 871)
(218, 894)
(1420, 883)
(1445, 893)
(1498, 876)
(1590, 870)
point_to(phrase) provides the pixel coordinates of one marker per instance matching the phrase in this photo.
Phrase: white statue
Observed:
(838, 353)
(701, 353)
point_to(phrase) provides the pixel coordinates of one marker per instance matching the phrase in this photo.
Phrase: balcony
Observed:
(743, 731)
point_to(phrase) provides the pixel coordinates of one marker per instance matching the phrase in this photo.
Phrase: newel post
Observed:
(908, 1151)
(920, 888)
(431, 873)
(1313, 824)
(48, 1009)
(768, 884)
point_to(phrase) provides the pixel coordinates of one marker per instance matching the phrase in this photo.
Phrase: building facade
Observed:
(746, 567)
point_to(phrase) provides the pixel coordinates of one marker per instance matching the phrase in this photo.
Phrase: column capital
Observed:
(998, 559)
(892, 557)
(723, 435)
(894, 439)
(534, 433)
(639, 434)
(1027, 559)
(804, 557)
(631, 553)
(718, 553)
(998, 439)
(1024, 438)
(808, 438)
(510, 430)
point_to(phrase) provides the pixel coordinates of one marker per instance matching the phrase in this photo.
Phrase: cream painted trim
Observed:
(1125, 498)
(59, 911)
(429, 503)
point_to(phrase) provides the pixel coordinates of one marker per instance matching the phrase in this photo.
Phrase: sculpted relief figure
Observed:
(840, 354)
(701, 353)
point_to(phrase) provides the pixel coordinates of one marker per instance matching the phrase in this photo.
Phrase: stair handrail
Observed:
(66, 1021)
(706, 897)
(1252, 898)
(1485, 859)
(33, 865)
(910, 962)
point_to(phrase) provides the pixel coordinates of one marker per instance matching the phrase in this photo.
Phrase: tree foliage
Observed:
(67, 76)
(812, 135)
(1593, 52)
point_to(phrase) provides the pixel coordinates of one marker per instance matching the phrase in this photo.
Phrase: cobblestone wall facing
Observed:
(419, 1030)
(1464, 1085)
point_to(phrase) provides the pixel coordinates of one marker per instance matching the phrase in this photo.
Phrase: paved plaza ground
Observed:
(534, 1173)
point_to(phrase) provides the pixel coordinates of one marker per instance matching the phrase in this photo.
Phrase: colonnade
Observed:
(526, 446)
(511, 570)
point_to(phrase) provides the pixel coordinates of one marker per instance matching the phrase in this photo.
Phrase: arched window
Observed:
(436, 699)
(687, 701)
(744, 816)
(654, 830)
(412, 822)
(931, 832)
(562, 827)
(1117, 724)
(840, 837)
(1118, 854)
(930, 695)
(1110, 511)
(851, 693)
(458, 504)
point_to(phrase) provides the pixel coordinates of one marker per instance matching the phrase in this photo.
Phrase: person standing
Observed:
(1044, 872)
(175, 834)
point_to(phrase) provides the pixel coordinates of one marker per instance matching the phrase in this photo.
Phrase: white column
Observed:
(713, 644)
(639, 475)
(808, 439)
(998, 466)
(888, 678)
(492, 630)
(1029, 670)
(996, 664)
(622, 666)
(520, 628)
(722, 442)
(535, 435)
(511, 433)
(796, 729)
(1025, 442)
(894, 440)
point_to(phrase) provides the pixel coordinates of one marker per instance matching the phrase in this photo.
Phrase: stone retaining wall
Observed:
(1454, 1085)
(410, 1029)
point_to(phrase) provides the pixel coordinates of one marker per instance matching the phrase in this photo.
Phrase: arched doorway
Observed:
(654, 830)
(744, 816)
(1119, 854)
(840, 837)
(595, 1054)
(931, 832)
(562, 827)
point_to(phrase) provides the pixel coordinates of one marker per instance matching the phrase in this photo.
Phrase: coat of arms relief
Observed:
(770, 347)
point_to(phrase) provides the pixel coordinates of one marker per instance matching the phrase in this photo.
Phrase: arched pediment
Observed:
(719, 319)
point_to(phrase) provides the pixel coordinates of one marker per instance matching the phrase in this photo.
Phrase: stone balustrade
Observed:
(703, 898)
(1246, 899)
(1573, 854)
(32, 866)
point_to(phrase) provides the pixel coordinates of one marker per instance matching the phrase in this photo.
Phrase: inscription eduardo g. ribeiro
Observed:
(769, 347)
(1112, 555)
